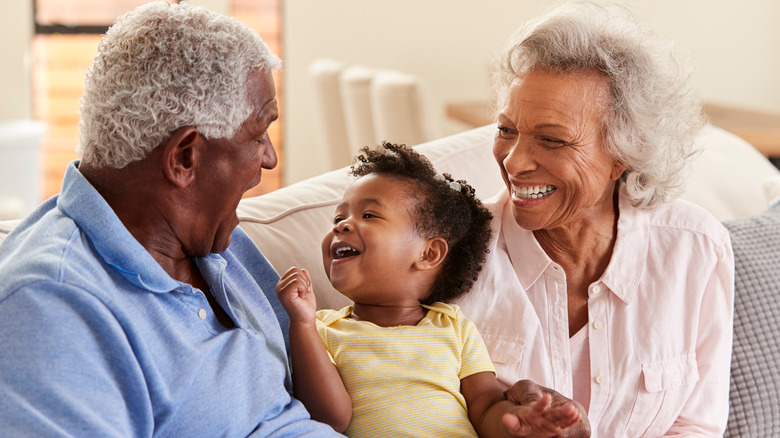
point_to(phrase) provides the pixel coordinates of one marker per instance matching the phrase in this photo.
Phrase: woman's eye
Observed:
(505, 132)
(552, 142)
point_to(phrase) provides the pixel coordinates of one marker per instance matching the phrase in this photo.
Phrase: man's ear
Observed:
(433, 254)
(181, 154)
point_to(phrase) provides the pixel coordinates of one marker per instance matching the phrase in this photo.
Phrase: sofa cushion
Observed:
(721, 174)
(755, 364)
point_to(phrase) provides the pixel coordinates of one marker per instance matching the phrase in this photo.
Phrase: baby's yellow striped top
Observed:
(404, 381)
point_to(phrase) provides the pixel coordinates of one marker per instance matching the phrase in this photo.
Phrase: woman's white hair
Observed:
(655, 111)
(161, 67)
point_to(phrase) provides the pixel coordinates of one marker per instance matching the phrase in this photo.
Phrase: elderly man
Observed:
(131, 305)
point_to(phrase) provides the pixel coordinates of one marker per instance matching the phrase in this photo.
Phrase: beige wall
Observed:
(736, 45)
(16, 31)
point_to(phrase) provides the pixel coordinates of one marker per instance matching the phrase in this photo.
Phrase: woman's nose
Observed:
(519, 159)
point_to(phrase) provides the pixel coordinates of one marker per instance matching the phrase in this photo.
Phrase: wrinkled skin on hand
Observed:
(524, 392)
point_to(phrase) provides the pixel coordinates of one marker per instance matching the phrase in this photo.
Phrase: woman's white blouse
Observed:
(660, 320)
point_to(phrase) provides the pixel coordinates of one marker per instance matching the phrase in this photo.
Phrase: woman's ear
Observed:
(618, 169)
(181, 154)
(433, 254)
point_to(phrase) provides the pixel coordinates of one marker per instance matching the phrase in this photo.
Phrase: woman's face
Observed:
(550, 148)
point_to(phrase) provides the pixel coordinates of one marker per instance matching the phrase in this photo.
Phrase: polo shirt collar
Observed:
(111, 240)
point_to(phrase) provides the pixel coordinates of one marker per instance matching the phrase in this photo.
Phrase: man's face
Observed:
(231, 166)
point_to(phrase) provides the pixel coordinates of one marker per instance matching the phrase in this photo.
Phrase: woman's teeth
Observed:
(533, 192)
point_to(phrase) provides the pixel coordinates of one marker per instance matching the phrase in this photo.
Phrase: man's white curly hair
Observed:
(655, 111)
(161, 67)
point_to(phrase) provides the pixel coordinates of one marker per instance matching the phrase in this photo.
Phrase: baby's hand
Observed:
(540, 420)
(296, 295)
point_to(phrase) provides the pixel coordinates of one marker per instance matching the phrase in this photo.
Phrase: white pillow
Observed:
(772, 189)
(728, 177)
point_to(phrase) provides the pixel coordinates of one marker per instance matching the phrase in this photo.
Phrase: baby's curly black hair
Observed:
(445, 208)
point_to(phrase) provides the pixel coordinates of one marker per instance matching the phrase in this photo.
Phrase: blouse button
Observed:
(601, 379)
(598, 325)
(202, 313)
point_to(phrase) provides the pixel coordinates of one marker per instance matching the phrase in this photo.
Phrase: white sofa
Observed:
(731, 179)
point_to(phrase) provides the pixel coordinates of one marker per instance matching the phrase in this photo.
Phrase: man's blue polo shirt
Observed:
(97, 340)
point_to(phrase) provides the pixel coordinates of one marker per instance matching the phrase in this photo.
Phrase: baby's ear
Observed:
(433, 254)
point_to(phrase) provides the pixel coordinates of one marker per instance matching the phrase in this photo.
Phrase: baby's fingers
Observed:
(540, 420)
(515, 426)
(531, 421)
(563, 416)
(295, 280)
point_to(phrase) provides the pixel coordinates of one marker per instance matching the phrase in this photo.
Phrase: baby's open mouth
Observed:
(344, 251)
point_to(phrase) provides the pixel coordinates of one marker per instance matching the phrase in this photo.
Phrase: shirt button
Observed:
(202, 313)
(596, 289)
(598, 325)
(601, 379)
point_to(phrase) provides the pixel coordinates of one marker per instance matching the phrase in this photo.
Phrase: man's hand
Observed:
(527, 393)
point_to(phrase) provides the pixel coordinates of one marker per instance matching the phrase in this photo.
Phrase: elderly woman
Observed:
(599, 284)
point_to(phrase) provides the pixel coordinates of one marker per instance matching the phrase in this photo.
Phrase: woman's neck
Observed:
(584, 246)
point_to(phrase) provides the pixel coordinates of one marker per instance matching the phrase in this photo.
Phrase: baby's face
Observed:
(373, 245)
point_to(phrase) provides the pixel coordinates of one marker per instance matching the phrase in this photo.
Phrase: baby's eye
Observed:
(368, 215)
(337, 219)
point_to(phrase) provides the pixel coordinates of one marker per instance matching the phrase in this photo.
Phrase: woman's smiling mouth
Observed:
(533, 192)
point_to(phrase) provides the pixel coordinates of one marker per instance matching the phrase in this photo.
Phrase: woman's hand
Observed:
(528, 393)
(296, 295)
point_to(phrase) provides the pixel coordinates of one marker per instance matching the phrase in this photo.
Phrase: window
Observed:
(66, 37)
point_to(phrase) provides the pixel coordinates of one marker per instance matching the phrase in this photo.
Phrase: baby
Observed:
(399, 361)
